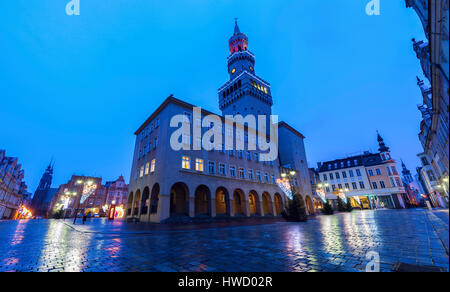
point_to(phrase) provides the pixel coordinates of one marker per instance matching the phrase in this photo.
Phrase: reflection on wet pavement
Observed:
(325, 243)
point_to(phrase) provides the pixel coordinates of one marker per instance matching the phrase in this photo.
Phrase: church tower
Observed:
(41, 194)
(46, 180)
(407, 177)
(245, 93)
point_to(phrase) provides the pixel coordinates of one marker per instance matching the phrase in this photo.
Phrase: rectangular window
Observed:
(344, 174)
(141, 173)
(153, 165)
(354, 186)
(382, 185)
(374, 185)
(240, 153)
(250, 174)
(256, 157)
(394, 170)
(337, 175)
(333, 187)
(233, 171)
(266, 177)
(378, 171)
(347, 186)
(211, 167)
(340, 186)
(155, 143)
(392, 182)
(430, 175)
(358, 172)
(370, 172)
(361, 185)
(222, 168)
(186, 162)
(199, 164)
(258, 176)
(241, 173)
(350, 172)
(249, 155)
(273, 179)
(147, 168)
(325, 177)
(388, 169)
(331, 176)
(399, 183)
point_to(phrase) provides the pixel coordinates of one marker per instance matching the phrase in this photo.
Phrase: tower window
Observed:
(233, 71)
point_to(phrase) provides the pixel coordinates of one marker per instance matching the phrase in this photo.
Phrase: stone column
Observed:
(259, 205)
(212, 204)
(191, 206)
(163, 208)
(231, 206)
(246, 208)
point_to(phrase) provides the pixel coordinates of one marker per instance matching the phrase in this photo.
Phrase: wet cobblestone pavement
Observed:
(325, 243)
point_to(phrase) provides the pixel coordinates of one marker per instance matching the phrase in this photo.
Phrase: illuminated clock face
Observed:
(251, 68)
(233, 71)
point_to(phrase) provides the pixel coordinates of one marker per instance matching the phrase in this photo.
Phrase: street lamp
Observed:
(321, 191)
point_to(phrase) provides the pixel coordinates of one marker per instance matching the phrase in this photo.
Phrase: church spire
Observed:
(383, 147)
(236, 27)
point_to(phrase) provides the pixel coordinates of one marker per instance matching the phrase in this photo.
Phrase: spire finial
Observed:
(236, 26)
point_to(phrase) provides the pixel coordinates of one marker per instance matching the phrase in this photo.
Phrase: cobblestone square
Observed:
(325, 243)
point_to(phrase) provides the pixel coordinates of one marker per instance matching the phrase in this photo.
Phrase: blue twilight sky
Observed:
(75, 88)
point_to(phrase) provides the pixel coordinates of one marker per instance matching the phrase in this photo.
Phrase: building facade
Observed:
(433, 54)
(369, 180)
(86, 195)
(180, 184)
(116, 192)
(12, 187)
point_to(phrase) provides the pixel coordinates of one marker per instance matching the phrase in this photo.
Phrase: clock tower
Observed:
(245, 93)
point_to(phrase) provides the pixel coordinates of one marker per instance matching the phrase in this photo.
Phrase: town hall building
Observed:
(168, 183)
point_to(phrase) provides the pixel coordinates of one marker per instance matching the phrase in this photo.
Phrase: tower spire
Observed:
(383, 147)
(236, 27)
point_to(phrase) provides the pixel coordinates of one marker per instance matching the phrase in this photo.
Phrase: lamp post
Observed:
(289, 174)
(82, 199)
(321, 186)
